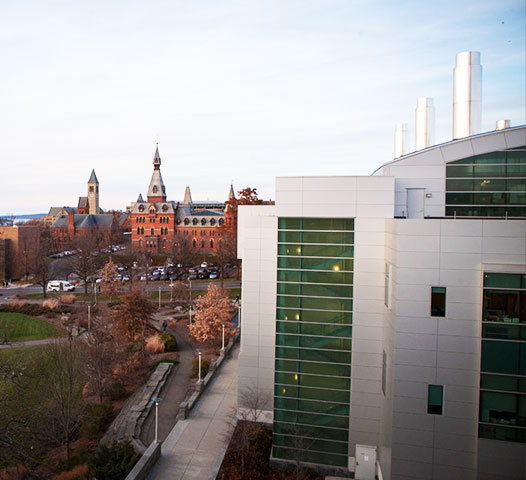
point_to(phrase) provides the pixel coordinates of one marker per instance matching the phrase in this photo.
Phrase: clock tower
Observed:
(93, 194)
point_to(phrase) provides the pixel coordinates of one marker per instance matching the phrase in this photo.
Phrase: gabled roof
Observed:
(54, 211)
(139, 199)
(85, 221)
(93, 177)
(83, 202)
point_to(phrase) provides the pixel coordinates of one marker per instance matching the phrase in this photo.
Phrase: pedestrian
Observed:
(165, 324)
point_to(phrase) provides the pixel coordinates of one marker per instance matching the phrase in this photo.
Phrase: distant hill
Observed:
(30, 216)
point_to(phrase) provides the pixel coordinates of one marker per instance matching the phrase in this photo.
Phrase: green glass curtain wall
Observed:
(502, 411)
(488, 185)
(313, 340)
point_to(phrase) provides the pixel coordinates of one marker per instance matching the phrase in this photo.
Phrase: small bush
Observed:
(114, 391)
(137, 346)
(114, 303)
(67, 299)
(51, 303)
(113, 463)
(205, 365)
(96, 417)
(154, 344)
(170, 342)
(80, 472)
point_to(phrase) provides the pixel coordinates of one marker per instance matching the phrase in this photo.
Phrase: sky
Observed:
(235, 91)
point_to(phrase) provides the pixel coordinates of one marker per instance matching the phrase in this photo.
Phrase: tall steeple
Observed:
(187, 196)
(93, 194)
(231, 195)
(156, 190)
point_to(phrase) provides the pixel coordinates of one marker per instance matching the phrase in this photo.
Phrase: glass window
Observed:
(435, 399)
(438, 301)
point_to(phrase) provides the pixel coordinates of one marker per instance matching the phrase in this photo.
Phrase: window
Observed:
(202, 244)
(142, 230)
(164, 243)
(91, 188)
(435, 399)
(438, 301)
(194, 243)
(154, 189)
(384, 373)
(140, 243)
(211, 244)
(387, 292)
(212, 221)
(203, 221)
(151, 230)
(138, 230)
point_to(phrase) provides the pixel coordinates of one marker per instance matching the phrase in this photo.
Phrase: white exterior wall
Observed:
(427, 168)
(444, 350)
(257, 247)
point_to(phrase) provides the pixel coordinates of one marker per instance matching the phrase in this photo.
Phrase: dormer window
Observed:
(195, 221)
(186, 221)
(154, 189)
(165, 208)
(178, 221)
(203, 221)
(221, 221)
(141, 208)
(212, 221)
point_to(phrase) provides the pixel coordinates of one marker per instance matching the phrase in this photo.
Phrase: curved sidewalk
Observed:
(195, 446)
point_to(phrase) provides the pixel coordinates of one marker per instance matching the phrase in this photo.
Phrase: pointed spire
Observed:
(231, 195)
(187, 196)
(157, 157)
(93, 177)
(139, 199)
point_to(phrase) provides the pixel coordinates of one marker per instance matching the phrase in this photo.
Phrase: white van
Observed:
(60, 286)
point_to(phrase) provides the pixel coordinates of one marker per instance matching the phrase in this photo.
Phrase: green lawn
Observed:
(20, 327)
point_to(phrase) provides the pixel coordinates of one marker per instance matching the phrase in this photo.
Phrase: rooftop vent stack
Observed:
(400, 145)
(424, 123)
(467, 95)
(502, 124)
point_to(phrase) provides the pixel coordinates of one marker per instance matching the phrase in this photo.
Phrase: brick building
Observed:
(157, 222)
(16, 245)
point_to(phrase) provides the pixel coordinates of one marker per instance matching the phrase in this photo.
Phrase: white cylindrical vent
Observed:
(502, 124)
(400, 144)
(467, 95)
(424, 123)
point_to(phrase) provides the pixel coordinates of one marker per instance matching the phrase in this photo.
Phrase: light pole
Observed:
(95, 290)
(190, 304)
(157, 400)
(171, 291)
(89, 317)
(159, 298)
(199, 373)
(223, 340)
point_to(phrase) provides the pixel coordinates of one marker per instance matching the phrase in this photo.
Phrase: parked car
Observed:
(204, 265)
(173, 277)
(60, 286)
(192, 276)
(213, 275)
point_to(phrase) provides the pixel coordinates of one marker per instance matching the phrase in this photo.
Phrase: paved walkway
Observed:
(32, 343)
(173, 393)
(193, 449)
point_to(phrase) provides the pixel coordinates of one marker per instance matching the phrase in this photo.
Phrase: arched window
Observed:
(221, 221)
(186, 221)
(142, 230)
(138, 230)
(165, 208)
(212, 221)
(203, 221)
(154, 189)
(140, 243)
(202, 244)
(151, 230)
(194, 243)
(211, 244)
(178, 221)
(141, 208)
(164, 243)
(195, 221)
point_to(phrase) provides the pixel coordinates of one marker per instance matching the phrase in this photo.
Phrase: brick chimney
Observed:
(71, 224)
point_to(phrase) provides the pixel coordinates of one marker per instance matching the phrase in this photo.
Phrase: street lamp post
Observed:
(95, 290)
(89, 317)
(157, 400)
(199, 374)
(190, 304)
(223, 340)
(159, 298)
(171, 291)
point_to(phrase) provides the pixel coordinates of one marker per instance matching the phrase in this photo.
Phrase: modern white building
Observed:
(385, 316)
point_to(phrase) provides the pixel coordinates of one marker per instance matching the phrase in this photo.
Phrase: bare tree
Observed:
(181, 249)
(85, 262)
(133, 317)
(226, 249)
(40, 260)
(62, 380)
(101, 354)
